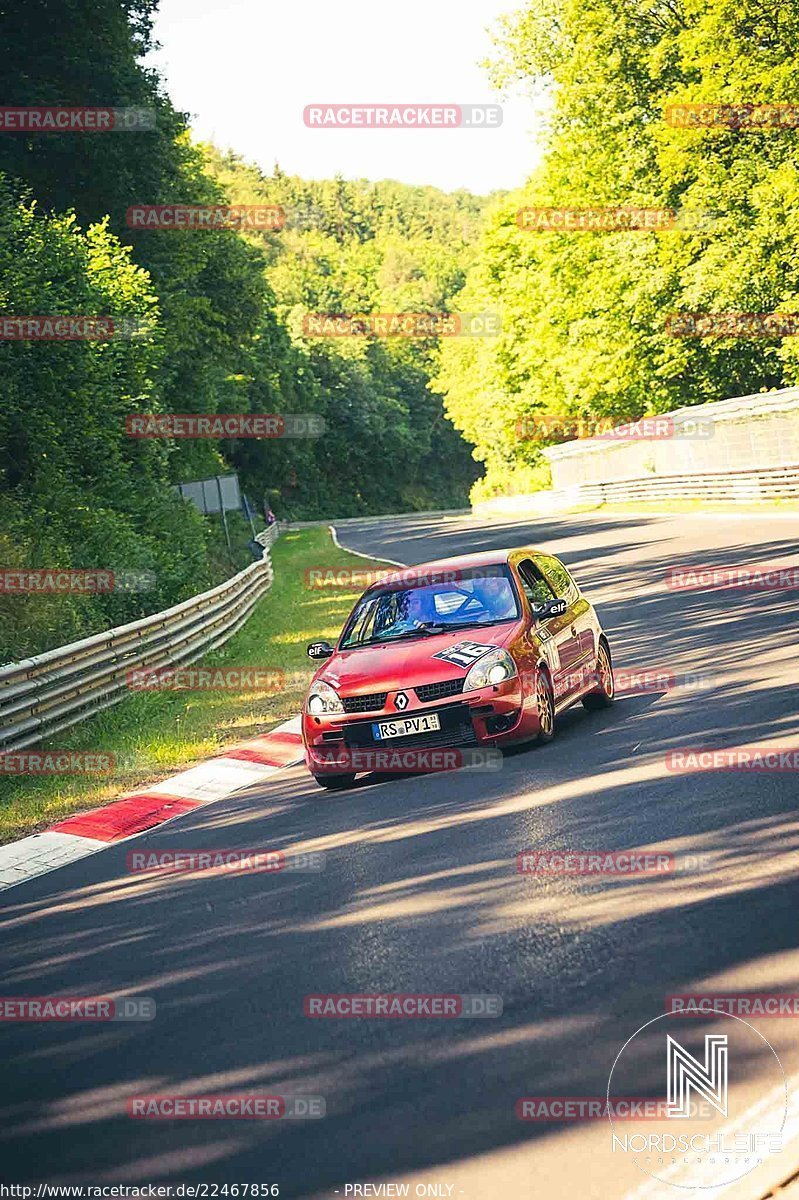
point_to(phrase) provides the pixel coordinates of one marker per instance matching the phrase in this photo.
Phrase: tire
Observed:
(335, 783)
(545, 702)
(603, 698)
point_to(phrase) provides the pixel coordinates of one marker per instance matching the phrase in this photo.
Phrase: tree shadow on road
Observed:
(420, 893)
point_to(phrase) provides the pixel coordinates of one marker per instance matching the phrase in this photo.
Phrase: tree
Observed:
(584, 314)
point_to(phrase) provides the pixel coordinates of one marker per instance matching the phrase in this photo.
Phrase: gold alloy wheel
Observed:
(605, 672)
(545, 704)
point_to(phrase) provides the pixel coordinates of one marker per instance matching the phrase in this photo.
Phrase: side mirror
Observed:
(320, 650)
(550, 608)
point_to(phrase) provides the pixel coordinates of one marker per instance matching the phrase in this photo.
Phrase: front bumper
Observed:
(489, 716)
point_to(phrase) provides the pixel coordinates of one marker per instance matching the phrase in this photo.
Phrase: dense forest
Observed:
(355, 247)
(217, 317)
(214, 315)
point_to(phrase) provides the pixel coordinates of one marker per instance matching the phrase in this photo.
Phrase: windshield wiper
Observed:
(445, 628)
(420, 631)
(430, 630)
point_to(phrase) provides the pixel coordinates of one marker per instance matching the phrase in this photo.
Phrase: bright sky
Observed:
(245, 69)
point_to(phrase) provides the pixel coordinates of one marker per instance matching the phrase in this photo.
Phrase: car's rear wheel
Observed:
(335, 783)
(606, 690)
(545, 702)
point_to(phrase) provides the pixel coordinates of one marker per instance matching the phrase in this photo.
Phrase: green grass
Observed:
(153, 734)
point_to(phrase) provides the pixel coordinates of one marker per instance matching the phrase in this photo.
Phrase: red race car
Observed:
(484, 649)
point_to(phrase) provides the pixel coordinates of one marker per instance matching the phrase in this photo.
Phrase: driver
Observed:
(413, 617)
(496, 596)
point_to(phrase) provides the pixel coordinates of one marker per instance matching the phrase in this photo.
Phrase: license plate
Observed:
(405, 726)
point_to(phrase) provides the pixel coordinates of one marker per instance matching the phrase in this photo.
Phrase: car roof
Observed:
(483, 558)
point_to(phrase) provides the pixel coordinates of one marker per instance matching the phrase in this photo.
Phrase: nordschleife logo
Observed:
(707, 1080)
(719, 1099)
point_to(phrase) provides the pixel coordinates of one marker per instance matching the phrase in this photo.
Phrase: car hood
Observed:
(386, 667)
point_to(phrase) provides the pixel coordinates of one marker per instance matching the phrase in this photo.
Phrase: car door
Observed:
(579, 647)
(558, 643)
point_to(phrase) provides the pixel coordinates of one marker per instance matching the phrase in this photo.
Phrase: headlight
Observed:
(492, 668)
(323, 699)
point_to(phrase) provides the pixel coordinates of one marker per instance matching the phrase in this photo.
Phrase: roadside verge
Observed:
(88, 832)
(162, 730)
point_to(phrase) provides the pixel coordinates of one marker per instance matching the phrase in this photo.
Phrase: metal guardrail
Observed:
(266, 537)
(739, 487)
(49, 692)
(340, 522)
(750, 486)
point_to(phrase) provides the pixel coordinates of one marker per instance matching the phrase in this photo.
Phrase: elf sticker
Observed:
(463, 654)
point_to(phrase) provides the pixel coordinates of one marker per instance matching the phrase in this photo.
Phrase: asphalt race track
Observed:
(420, 894)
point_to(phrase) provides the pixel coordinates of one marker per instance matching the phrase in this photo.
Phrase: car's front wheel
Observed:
(606, 687)
(335, 783)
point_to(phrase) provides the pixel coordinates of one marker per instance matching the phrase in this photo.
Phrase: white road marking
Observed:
(357, 553)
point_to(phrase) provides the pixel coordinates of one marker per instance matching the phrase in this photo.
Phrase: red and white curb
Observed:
(86, 833)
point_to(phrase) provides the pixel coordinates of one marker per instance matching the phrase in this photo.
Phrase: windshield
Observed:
(463, 600)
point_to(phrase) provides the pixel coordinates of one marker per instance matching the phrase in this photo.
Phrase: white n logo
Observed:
(686, 1072)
